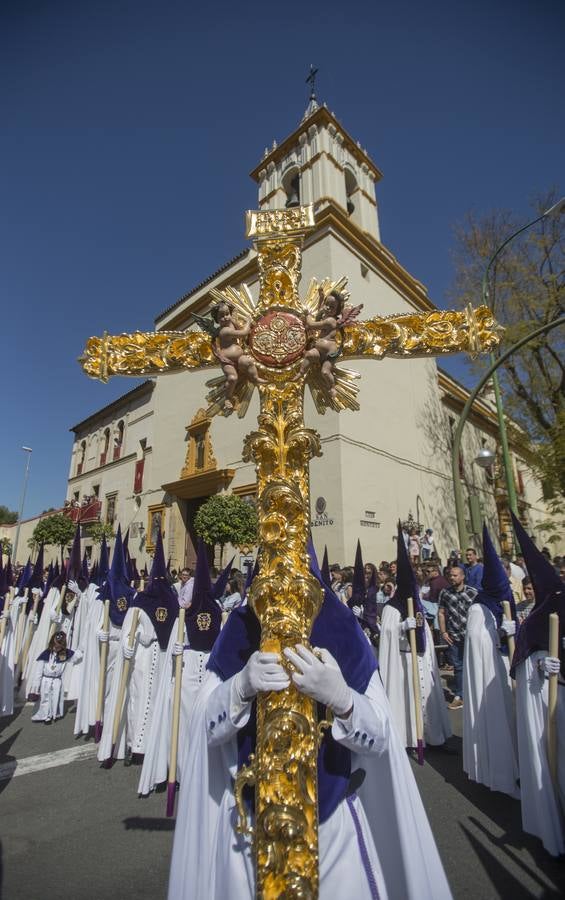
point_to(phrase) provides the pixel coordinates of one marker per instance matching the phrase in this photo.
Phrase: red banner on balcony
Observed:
(138, 477)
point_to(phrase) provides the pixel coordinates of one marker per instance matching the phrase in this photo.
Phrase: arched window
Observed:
(105, 447)
(351, 187)
(118, 440)
(291, 186)
(80, 466)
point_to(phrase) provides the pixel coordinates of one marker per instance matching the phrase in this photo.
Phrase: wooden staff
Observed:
(29, 635)
(416, 684)
(123, 682)
(552, 699)
(172, 782)
(4, 622)
(58, 608)
(509, 637)
(102, 675)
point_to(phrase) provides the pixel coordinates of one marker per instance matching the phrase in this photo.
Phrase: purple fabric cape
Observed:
(336, 629)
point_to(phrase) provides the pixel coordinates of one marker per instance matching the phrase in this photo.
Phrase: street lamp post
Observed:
(29, 451)
(457, 488)
(557, 209)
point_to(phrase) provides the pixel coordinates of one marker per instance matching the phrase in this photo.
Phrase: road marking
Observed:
(31, 764)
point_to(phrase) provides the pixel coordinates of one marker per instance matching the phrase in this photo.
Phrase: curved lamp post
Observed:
(457, 488)
(557, 209)
(29, 451)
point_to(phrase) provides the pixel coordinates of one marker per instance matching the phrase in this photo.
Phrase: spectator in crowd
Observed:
(392, 570)
(185, 576)
(525, 606)
(454, 603)
(414, 546)
(428, 546)
(473, 569)
(336, 578)
(515, 583)
(345, 591)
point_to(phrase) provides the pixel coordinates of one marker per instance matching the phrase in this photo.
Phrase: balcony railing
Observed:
(85, 513)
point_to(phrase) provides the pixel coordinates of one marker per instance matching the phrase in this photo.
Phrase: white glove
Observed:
(73, 586)
(262, 672)
(508, 627)
(178, 648)
(409, 624)
(77, 656)
(320, 678)
(103, 636)
(36, 619)
(55, 616)
(36, 591)
(550, 665)
(357, 611)
(128, 651)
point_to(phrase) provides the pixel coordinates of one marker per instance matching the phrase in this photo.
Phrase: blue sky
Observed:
(129, 128)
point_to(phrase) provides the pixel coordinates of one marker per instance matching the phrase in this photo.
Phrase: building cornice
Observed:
(146, 387)
(322, 116)
(113, 464)
(201, 485)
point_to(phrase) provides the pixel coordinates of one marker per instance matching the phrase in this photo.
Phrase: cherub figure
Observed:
(330, 318)
(234, 362)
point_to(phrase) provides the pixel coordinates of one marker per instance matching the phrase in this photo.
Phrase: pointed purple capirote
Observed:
(358, 592)
(50, 579)
(407, 586)
(495, 587)
(25, 575)
(84, 569)
(204, 616)
(325, 570)
(75, 560)
(116, 587)
(221, 581)
(545, 579)
(103, 562)
(252, 571)
(36, 580)
(159, 601)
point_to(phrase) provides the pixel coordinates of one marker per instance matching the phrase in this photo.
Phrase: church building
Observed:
(150, 458)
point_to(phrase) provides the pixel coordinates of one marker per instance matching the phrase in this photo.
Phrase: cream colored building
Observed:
(378, 465)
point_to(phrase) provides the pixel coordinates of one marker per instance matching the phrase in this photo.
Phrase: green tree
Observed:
(226, 519)
(7, 517)
(6, 546)
(57, 529)
(99, 530)
(527, 287)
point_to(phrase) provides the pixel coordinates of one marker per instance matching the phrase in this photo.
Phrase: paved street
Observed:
(69, 828)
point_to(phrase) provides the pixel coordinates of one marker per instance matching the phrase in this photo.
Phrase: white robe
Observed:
(72, 680)
(47, 681)
(87, 698)
(210, 861)
(489, 729)
(156, 761)
(543, 810)
(8, 656)
(141, 690)
(395, 663)
(40, 638)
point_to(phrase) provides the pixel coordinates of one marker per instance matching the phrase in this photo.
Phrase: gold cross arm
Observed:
(146, 353)
(422, 334)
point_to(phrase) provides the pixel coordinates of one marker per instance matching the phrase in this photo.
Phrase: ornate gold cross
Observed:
(266, 344)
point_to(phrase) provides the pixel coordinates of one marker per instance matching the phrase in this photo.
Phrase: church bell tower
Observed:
(320, 163)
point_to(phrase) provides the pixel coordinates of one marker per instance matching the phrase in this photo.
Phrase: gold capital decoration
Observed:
(269, 355)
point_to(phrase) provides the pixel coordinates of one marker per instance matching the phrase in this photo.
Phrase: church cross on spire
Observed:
(312, 81)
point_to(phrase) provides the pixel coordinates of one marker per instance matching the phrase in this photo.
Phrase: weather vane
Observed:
(311, 80)
(276, 346)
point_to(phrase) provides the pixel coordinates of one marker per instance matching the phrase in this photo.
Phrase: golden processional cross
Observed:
(263, 345)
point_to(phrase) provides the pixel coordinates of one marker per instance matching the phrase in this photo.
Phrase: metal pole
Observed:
(21, 512)
(457, 488)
